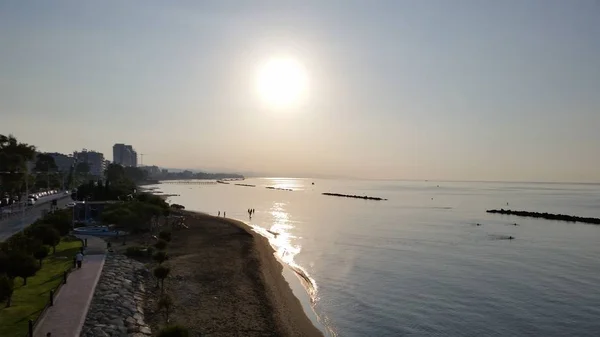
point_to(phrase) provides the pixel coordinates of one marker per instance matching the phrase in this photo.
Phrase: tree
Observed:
(46, 234)
(165, 303)
(135, 174)
(160, 257)
(45, 163)
(161, 272)
(22, 265)
(114, 172)
(41, 253)
(161, 244)
(6, 289)
(22, 243)
(13, 164)
(164, 235)
(4, 263)
(59, 220)
(174, 331)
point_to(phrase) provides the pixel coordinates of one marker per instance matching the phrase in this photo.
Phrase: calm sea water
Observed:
(418, 265)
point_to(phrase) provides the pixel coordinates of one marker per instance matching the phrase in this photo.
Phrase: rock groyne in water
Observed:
(246, 185)
(365, 197)
(548, 216)
(278, 188)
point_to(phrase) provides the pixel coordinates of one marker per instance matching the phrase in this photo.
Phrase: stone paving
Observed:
(118, 302)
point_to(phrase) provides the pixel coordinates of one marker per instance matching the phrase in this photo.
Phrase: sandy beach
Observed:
(225, 281)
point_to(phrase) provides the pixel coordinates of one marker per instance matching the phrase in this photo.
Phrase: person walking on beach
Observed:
(79, 259)
(219, 213)
(224, 214)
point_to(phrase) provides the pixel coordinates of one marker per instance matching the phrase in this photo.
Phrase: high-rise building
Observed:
(124, 155)
(94, 159)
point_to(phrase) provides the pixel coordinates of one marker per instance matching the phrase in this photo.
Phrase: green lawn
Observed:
(28, 301)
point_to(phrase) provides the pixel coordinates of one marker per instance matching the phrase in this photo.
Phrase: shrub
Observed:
(164, 235)
(160, 244)
(150, 251)
(174, 331)
(177, 206)
(160, 257)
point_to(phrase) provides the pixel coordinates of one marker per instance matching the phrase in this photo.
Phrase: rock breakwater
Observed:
(117, 306)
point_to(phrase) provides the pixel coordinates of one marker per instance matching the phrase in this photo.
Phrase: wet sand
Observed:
(225, 281)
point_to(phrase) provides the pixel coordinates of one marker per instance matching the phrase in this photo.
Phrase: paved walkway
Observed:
(71, 303)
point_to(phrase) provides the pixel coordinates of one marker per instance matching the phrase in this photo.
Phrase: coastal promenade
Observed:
(71, 304)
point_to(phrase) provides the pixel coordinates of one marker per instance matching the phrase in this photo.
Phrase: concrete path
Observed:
(72, 302)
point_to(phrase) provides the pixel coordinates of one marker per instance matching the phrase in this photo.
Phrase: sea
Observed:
(417, 264)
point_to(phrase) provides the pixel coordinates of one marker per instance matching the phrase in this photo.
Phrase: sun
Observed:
(282, 82)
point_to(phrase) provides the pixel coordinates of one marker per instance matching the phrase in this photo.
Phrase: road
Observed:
(15, 224)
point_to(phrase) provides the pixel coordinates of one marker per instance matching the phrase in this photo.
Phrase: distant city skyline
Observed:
(417, 90)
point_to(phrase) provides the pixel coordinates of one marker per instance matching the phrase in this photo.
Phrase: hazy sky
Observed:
(423, 89)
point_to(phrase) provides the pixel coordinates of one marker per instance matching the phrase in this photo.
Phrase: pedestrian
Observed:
(79, 259)
(219, 213)
(224, 214)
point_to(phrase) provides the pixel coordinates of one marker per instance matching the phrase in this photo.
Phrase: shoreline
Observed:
(230, 281)
(272, 268)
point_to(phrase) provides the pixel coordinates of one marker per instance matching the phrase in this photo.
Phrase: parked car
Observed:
(71, 205)
(33, 196)
(30, 202)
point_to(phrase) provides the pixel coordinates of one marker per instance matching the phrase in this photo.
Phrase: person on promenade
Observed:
(219, 214)
(224, 214)
(79, 259)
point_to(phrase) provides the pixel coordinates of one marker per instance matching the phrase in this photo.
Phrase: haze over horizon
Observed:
(438, 90)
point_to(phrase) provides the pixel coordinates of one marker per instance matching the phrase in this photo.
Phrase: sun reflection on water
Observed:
(281, 239)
